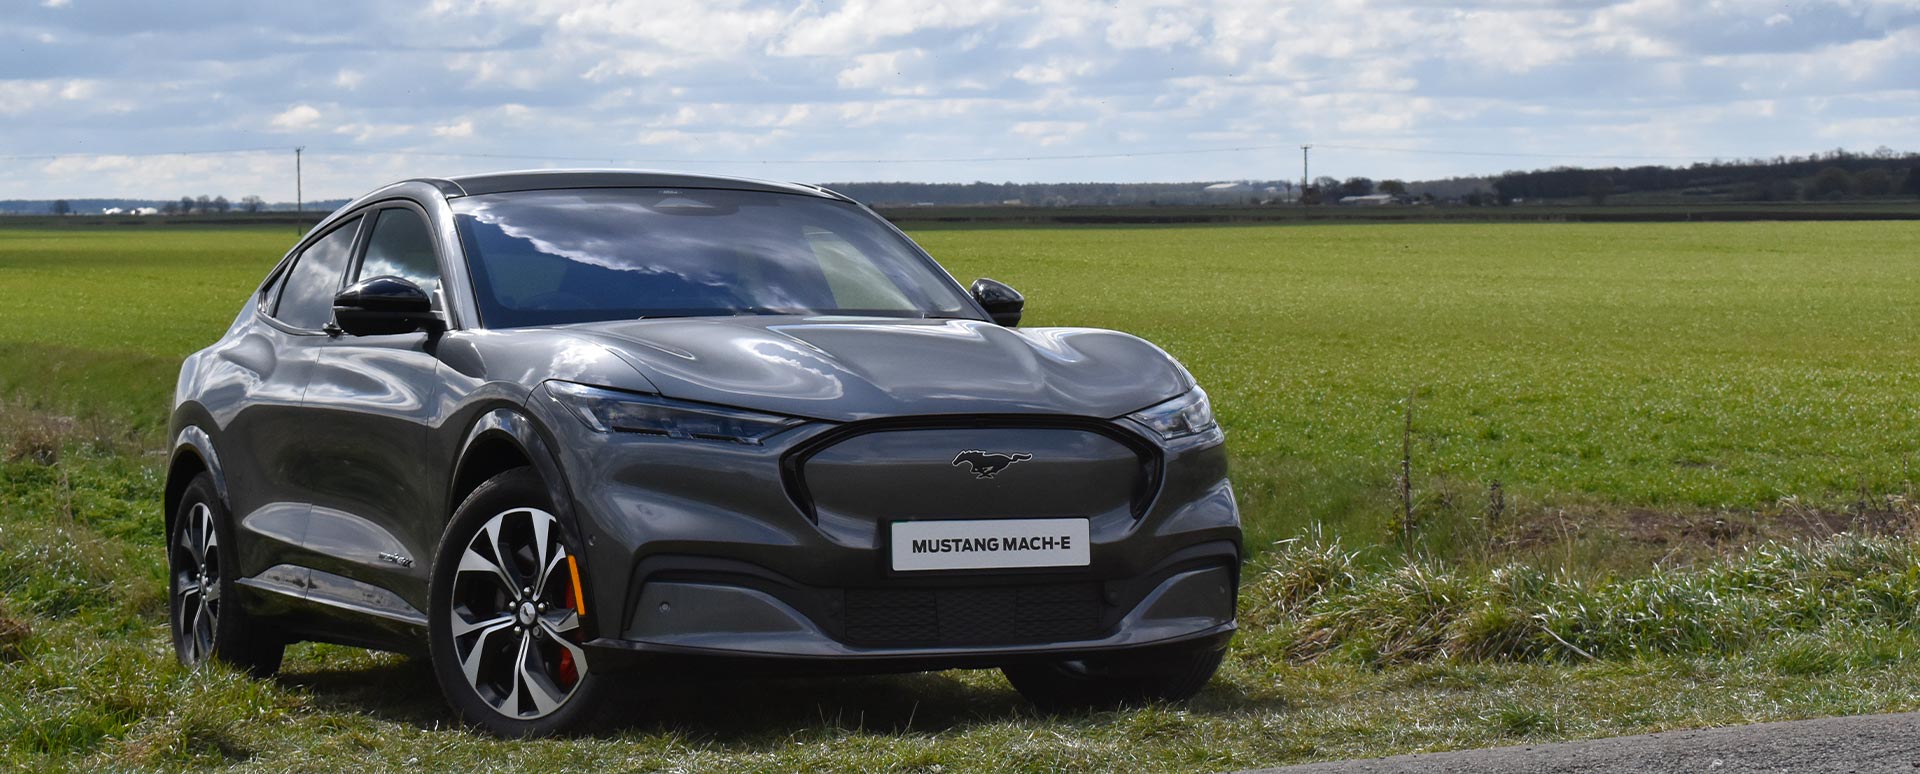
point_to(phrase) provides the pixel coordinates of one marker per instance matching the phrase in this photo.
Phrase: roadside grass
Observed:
(1679, 419)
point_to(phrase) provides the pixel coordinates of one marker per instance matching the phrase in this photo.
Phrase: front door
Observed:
(371, 405)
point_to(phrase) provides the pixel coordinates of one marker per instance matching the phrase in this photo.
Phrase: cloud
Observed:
(752, 84)
(883, 70)
(296, 118)
(462, 128)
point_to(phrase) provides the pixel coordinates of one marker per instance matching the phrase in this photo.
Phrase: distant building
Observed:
(144, 211)
(113, 211)
(1371, 200)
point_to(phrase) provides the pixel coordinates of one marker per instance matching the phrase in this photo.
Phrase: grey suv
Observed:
(546, 427)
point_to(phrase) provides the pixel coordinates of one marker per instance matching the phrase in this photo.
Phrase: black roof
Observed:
(535, 180)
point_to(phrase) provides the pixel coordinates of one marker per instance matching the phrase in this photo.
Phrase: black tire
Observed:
(1173, 674)
(503, 634)
(203, 608)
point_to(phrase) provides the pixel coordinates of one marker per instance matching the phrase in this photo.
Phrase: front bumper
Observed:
(709, 549)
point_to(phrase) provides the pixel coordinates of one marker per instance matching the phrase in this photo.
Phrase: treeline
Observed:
(1832, 176)
(1056, 194)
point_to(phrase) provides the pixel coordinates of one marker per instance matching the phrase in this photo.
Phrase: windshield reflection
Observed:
(565, 256)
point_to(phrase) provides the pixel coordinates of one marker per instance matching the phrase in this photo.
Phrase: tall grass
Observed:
(1321, 601)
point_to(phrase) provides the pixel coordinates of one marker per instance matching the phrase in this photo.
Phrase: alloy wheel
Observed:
(514, 621)
(196, 584)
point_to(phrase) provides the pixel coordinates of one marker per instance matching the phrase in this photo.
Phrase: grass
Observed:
(1669, 409)
(1341, 656)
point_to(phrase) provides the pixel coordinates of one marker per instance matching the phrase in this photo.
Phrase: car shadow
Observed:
(725, 709)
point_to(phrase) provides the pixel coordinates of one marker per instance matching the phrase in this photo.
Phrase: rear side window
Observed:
(307, 300)
(401, 247)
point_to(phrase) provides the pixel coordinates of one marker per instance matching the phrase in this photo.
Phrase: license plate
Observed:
(989, 544)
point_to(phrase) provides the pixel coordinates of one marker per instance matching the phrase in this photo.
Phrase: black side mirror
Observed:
(1003, 303)
(384, 305)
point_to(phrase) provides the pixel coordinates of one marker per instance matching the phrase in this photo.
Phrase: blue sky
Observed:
(932, 90)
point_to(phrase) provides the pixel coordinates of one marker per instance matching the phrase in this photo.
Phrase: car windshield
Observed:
(584, 255)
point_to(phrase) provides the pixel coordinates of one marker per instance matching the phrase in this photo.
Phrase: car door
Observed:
(271, 365)
(371, 405)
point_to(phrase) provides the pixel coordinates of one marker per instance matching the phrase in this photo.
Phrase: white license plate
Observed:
(989, 544)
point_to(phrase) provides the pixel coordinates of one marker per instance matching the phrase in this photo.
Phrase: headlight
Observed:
(627, 412)
(1189, 414)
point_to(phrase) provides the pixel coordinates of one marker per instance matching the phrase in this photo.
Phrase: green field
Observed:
(1672, 393)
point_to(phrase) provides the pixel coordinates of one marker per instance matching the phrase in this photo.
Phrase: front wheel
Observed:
(1104, 681)
(504, 617)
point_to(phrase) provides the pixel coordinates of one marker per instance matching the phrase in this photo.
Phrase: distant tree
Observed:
(1912, 186)
(1830, 183)
(1873, 181)
(1479, 198)
(203, 204)
(186, 205)
(251, 203)
(1599, 188)
(1394, 187)
(220, 204)
(1357, 186)
(170, 208)
(61, 207)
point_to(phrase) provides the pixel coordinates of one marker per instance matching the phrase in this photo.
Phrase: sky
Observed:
(94, 94)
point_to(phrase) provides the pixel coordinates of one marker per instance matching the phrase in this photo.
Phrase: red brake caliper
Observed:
(570, 592)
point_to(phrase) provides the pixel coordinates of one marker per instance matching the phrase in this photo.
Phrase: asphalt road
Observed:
(1869, 743)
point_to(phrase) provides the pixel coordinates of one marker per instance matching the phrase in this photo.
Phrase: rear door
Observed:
(371, 405)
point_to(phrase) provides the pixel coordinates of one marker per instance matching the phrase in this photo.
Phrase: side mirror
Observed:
(1002, 303)
(384, 305)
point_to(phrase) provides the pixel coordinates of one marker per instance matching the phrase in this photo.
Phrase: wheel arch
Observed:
(500, 440)
(506, 438)
(191, 455)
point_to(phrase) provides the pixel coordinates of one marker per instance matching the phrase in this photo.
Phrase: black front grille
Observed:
(996, 615)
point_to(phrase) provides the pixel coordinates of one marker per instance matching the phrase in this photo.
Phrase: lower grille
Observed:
(997, 615)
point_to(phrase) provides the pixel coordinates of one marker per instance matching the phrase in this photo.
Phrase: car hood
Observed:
(846, 368)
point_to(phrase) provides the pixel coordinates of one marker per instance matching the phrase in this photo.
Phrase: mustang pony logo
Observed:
(986, 464)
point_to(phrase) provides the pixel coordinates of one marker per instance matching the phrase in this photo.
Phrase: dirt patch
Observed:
(1637, 535)
(13, 638)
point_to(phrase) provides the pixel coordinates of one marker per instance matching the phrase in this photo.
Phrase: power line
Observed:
(142, 154)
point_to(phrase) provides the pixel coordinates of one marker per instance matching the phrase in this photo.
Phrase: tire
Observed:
(502, 623)
(203, 610)
(1173, 674)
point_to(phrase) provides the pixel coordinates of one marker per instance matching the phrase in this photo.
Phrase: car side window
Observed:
(401, 246)
(307, 300)
(270, 294)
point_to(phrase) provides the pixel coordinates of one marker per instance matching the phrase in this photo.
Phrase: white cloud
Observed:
(884, 70)
(759, 80)
(459, 129)
(1050, 133)
(296, 118)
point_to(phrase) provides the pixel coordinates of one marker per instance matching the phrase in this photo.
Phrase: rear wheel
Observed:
(206, 620)
(504, 623)
(1110, 680)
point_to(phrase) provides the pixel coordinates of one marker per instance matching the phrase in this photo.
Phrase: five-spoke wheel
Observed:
(514, 621)
(505, 615)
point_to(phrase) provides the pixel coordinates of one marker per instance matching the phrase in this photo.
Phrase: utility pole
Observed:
(1305, 178)
(299, 200)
